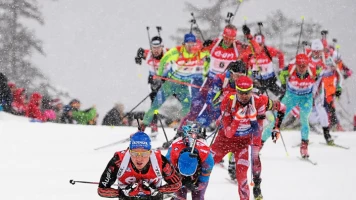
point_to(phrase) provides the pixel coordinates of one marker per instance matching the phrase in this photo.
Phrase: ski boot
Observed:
(232, 168)
(339, 128)
(257, 188)
(304, 149)
(154, 131)
(327, 136)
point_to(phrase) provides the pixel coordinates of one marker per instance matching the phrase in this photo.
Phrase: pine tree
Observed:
(18, 43)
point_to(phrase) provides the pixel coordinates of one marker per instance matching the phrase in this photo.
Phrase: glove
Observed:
(338, 92)
(131, 190)
(202, 186)
(252, 112)
(191, 186)
(246, 30)
(138, 60)
(146, 186)
(241, 113)
(156, 84)
(207, 43)
(140, 53)
(275, 134)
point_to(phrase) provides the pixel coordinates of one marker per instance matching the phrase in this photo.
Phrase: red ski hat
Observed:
(229, 32)
(301, 59)
(244, 84)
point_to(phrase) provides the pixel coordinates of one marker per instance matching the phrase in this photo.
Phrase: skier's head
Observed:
(140, 149)
(189, 42)
(302, 62)
(317, 48)
(157, 46)
(259, 38)
(237, 69)
(244, 87)
(187, 164)
(229, 35)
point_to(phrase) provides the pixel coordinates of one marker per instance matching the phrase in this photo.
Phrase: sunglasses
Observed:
(244, 92)
(143, 154)
(238, 73)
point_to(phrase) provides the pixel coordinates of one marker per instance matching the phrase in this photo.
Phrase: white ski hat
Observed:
(317, 45)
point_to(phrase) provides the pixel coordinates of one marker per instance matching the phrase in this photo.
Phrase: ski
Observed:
(336, 145)
(307, 160)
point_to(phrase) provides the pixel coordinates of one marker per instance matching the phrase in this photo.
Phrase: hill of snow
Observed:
(39, 159)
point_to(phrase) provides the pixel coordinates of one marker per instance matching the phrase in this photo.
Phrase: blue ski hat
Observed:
(189, 37)
(187, 164)
(140, 140)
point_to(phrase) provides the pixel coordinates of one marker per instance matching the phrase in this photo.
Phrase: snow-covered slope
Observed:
(39, 159)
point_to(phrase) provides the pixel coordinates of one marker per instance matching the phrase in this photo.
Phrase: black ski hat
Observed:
(237, 67)
(156, 41)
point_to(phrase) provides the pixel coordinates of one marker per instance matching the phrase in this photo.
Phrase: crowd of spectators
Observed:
(39, 108)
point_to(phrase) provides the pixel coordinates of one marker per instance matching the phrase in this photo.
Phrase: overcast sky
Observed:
(90, 45)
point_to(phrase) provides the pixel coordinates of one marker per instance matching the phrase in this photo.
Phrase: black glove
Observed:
(191, 186)
(138, 60)
(207, 43)
(156, 84)
(246, 30)
(338, 93)
(140, 53)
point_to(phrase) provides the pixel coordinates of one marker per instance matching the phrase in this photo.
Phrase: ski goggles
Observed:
(143, 154)
(244, 91)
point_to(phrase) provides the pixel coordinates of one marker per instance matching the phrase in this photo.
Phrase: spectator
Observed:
(82, 116)
(12, 87)
(19, 102)
(5, 94)
(115, 116)
(48, 109)
(34, 108)
(58, 108)
(66, 117)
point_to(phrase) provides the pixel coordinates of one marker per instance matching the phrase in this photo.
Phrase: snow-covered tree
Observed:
(18, 43)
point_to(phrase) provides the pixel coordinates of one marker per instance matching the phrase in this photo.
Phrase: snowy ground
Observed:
(38, 160)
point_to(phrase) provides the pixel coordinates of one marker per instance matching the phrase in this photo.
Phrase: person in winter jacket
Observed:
(34, 108)
(19, 102)
(83, 116)
(5, 94)
(140, 172)
(115, 116)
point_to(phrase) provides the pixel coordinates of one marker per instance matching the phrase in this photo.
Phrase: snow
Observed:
(39, 159)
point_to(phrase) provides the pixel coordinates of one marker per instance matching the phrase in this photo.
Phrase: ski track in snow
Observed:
(39, 159)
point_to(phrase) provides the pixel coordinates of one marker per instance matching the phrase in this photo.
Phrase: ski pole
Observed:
(136, 106)
(300, 34)
(160, 121)
(195, 22)
(149, 37)
(217, 129)
(284, 144)
(73, 182)
(237, 8)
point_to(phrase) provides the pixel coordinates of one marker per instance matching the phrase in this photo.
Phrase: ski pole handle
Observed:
(73, 182)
